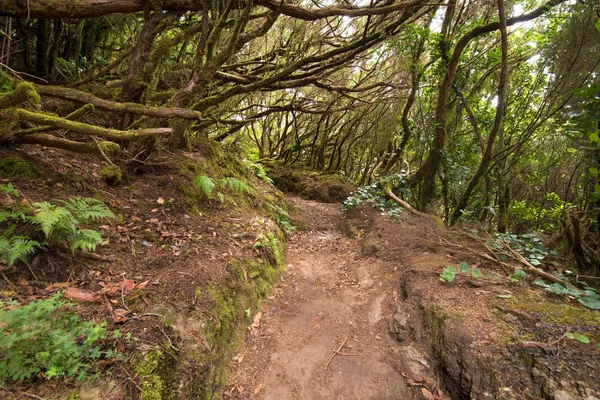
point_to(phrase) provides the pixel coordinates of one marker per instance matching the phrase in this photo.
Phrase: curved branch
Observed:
(107, 105)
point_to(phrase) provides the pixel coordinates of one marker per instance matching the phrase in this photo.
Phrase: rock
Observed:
(348, 229)
(368, 247)
(400, 325)
(562, 395)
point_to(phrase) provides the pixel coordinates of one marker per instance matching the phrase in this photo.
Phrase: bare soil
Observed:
(324, 332)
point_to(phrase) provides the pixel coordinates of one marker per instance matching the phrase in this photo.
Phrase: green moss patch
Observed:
(155, 376)
(16, 167)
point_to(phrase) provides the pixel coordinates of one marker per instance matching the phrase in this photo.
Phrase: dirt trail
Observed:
(331, 294)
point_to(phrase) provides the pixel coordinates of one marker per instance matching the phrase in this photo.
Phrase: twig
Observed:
(335, 352)
(123, 294)
(33, 396)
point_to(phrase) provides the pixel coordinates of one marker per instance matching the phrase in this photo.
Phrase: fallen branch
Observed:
(85, 129)
(335, 353)
(108, 105)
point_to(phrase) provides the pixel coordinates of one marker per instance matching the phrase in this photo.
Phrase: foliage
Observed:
(528, 245)
(258, 170)
(16, 248)
(450, 272)
(588, 297)
(44, 338)
(282, 218)
(577, 336)
(374, 195)
(207, 185)
(61, 225)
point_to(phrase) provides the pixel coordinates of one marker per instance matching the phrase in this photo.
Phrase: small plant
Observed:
(528, 245)
(207, 185)
(282, 218)
(373, 194)
(44, 338)
(587, 298)
(258, 170)
(449, 272)
(61, 225)
(578, 336)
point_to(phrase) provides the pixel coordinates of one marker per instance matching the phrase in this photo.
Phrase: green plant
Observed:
(577, 336)
(373, 195)
(258, 170)
(61, 225)
(450, 272)
(16, 248)
(528, 245)
(44, 338)
(10, 189)
(207, 185)
(587, 298)
(282, 218)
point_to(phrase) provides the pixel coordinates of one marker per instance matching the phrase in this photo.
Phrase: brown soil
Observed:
(405, 333)
(323, 334)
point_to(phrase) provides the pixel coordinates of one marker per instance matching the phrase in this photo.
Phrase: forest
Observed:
(482, 115)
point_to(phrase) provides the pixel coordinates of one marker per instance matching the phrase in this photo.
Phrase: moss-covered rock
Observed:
(155, 376)
(16, 167)
(111, 174)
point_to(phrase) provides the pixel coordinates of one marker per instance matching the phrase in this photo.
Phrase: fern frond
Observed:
(53, 218)
(87, 208)
(206, 185)
(16, 248)
(10, 189)
(235, 185)
(6, 215)
(85, 240)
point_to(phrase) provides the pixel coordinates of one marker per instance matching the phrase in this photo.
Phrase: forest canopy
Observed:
(482, 111)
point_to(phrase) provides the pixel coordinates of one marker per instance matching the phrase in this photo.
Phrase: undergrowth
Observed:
(374, 195)
(46, 339)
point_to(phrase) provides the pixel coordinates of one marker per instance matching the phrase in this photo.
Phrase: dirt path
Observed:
(330, 295)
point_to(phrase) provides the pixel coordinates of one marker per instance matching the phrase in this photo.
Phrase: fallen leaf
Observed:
(254, 327)
(258, 388)
(120, 315)
(57, 285)
(142, 285)
(160, 200)
(127, 284)
(427, 394)
(80, 294)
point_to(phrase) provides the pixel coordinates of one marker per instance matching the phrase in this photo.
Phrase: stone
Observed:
(399, 325)
(562, 395)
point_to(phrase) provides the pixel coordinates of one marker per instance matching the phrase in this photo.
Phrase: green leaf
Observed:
(541, 283)
(570, 335)
(476, 273)
(534, 262)
(448, 274)
(519, 274)
(597, 24)
(594, 137)
(557, 288)
(464, 267)
(581, 338)
(206, 185)
(589, 302)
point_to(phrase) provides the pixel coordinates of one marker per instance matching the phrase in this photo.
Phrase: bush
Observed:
(45, 339)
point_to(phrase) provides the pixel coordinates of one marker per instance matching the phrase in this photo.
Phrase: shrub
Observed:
(44, 338)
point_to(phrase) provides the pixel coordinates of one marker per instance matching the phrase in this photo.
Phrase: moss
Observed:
(556, 311)
(15, 167)
(155, 374)
(435, 320)
(111, 174)
(271, 248)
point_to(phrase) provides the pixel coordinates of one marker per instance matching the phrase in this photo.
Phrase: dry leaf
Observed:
(80, 294)
(427, 394)
(258, 388)
(160, 200)
(127, 284)
(142, 285)
(120, 315)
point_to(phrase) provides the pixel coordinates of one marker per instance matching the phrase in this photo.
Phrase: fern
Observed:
(258, 170)
(7, 215)
(85, 240)
(16, 248)
(53, 219)
(206, 185)
(87, 209)
(235, 185)
(10, 189)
